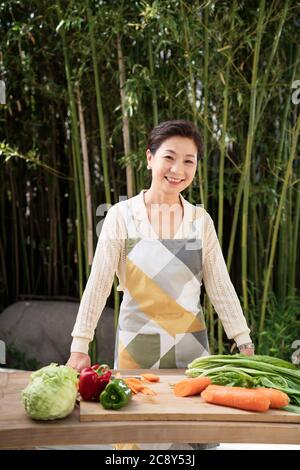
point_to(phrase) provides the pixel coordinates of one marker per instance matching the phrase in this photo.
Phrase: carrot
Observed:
(236, 397)
(189, 387)
(278, 399)
(134, 380)
(135, 387)
(148, 391)
(151, 377)
(131, 386)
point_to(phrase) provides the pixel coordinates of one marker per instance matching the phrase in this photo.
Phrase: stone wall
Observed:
(41, 330)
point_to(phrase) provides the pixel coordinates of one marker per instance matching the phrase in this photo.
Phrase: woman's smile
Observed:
(174, 181)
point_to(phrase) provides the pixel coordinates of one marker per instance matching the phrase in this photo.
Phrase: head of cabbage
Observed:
(51, 392)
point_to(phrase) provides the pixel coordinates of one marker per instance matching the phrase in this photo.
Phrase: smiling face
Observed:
(174, 165)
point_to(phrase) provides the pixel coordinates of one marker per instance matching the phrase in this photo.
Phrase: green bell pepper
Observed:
(115, 395)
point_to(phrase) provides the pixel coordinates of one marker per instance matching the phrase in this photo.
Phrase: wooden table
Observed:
(17, 430)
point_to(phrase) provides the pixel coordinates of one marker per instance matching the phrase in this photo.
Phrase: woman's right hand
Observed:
(79, 361)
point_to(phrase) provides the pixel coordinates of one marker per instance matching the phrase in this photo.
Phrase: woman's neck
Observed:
(156, 197)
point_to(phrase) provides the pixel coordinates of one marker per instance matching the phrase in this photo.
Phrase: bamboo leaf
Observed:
(60, 25)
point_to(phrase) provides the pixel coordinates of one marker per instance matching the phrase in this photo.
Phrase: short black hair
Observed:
(172, 128)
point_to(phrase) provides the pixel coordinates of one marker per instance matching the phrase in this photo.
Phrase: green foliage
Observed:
(192, 60)
(282, 327)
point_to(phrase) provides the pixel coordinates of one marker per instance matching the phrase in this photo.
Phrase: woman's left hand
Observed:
(248, 349)
(248, 352)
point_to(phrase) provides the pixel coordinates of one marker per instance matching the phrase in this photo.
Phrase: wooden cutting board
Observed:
(167, 407)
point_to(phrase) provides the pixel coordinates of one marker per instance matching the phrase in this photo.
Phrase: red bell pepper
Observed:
(93, 380)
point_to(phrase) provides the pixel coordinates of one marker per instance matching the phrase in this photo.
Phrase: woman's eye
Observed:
(168, 156)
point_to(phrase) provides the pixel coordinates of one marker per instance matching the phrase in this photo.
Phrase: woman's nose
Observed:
(177, 168)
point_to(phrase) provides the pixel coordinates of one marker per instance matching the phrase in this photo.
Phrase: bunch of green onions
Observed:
(249, 371)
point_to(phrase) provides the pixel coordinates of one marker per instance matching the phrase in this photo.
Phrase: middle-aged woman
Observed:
(162, 248)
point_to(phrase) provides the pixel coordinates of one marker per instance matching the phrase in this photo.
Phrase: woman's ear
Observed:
(149, 156)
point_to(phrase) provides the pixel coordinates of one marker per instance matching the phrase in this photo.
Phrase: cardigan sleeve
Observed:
(99, 284)
(220, 289)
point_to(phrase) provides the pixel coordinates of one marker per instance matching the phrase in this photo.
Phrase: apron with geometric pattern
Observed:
(161, 323)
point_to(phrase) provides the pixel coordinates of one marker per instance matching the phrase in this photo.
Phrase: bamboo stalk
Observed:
(56, 208)
(222, 160)
(75, 136)
(295, 136)
(81, 213)
(14, 238)
(101, 120)
(204, 192)
(224, 130)
(187, 54)
(69, 261)
(294, 251)
(247, 162)
(203, 167)
(51, 233)
(63, 285)
(280, 152)
(125, 120)
(52, 185)
(282, 247)
(3, 237)
(191, 81)
(101, 123)
(289, 241)
(87, 181)
(255, 251)
(23, 246)
(152, 75)
(41, 206)
(131, 183)
(3, 269)
(78, 230)
(262, 100)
